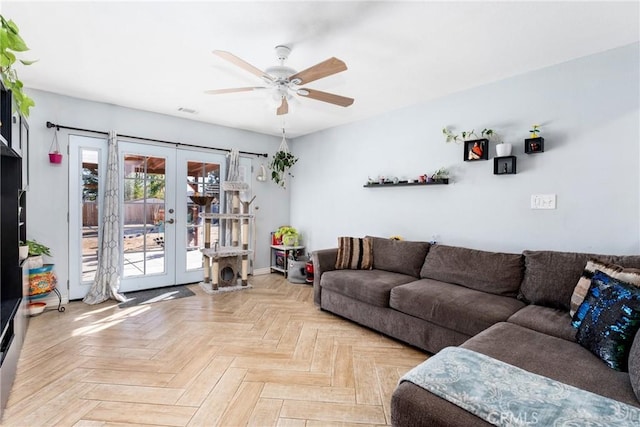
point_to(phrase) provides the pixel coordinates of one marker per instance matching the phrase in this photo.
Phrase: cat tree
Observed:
(229, 255)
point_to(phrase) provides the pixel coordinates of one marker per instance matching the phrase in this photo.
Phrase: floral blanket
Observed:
(505, 395)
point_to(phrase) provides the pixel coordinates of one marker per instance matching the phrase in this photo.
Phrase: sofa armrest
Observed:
(323, 260)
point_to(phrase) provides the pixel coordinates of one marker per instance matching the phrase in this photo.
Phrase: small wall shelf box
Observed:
(534, 145)
(504, 165)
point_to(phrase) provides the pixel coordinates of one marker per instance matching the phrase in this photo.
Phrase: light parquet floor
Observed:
(265, 356)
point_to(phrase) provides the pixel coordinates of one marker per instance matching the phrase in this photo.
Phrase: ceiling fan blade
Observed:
(331, 98)
(283, 108)
(232, 90)
(242, 64)
(325, 68)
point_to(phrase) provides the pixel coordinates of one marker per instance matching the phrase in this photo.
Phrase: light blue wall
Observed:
(47, 198)
(589, 111)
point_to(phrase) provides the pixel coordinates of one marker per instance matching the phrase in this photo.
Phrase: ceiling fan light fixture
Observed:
(282, 82)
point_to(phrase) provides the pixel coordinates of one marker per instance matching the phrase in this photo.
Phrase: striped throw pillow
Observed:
(354, 253)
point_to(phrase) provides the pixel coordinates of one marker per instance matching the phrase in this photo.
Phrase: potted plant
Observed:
(288, 235)
(10, 44)
(42, 279)
(535, 143)
(280, 164)
(441, 175)
(502, 148)
(36, 251)
(535, 130)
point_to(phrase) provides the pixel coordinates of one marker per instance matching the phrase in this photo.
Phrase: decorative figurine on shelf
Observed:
(504, 169)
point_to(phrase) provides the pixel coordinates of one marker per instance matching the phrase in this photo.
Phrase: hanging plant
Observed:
(280, 164)
(282, 161)
(10, 43)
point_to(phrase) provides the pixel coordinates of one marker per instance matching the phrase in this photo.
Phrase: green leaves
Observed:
(282, 161)
(36, 248)
(11, 42)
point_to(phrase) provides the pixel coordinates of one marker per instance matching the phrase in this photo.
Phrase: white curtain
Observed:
(107, 281)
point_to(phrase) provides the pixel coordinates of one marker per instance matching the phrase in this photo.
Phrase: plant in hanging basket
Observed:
(10, 44)
(54, 150)
(280, 164)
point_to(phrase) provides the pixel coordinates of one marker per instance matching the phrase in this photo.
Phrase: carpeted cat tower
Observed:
(226, 262)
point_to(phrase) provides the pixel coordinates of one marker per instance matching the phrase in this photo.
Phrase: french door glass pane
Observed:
(203, 179)
(90, 214)
(144, 215)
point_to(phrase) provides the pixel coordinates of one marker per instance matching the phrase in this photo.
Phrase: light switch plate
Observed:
(543, 201)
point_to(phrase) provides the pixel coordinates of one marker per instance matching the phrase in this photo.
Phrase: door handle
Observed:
(170, 221)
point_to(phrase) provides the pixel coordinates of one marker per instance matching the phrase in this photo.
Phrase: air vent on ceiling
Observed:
(187, 110)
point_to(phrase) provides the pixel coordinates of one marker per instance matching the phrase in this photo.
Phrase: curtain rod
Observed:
(177, 144)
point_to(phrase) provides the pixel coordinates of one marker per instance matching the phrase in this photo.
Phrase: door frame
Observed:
(180, 155)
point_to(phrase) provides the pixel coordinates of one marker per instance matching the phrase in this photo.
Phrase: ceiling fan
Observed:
(284, 81)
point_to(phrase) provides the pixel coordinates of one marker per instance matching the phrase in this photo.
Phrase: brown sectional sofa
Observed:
(512, 307)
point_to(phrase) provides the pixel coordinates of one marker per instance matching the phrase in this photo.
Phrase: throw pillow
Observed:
(610, 323)
(634, 366)
(629, 275)
(354, 253)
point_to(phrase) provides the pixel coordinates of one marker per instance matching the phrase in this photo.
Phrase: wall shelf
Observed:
(534, 145)
(444, 181)
(504, 165)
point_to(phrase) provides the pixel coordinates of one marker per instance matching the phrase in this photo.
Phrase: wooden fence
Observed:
(134, 213)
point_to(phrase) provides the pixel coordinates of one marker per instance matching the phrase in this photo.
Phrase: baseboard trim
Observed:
(261, 271)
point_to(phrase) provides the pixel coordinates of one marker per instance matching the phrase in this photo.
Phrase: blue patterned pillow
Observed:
(608, 319)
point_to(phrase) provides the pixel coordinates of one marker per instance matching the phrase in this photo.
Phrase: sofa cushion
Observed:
(634, 366)
(493, 272)
(629, 275)
(370, 286)
(550, 277)
(399, 256)
(611, 321)
(354, 253)
(550, 321)
(553, 357)
(455, 307)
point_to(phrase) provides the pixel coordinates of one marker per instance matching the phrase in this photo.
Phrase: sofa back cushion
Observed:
(550, 277)
(399, 256)
(493, 272)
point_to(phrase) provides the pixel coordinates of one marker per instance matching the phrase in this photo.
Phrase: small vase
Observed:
(503, 149)
(23, 252)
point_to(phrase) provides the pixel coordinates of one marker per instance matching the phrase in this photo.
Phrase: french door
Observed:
(162, 229)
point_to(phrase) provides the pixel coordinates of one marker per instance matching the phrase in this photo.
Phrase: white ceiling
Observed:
(156, 56)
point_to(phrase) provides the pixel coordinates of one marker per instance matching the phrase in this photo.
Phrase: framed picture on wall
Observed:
(477, 149)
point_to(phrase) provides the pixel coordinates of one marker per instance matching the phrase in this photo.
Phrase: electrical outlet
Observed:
(543, 201)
